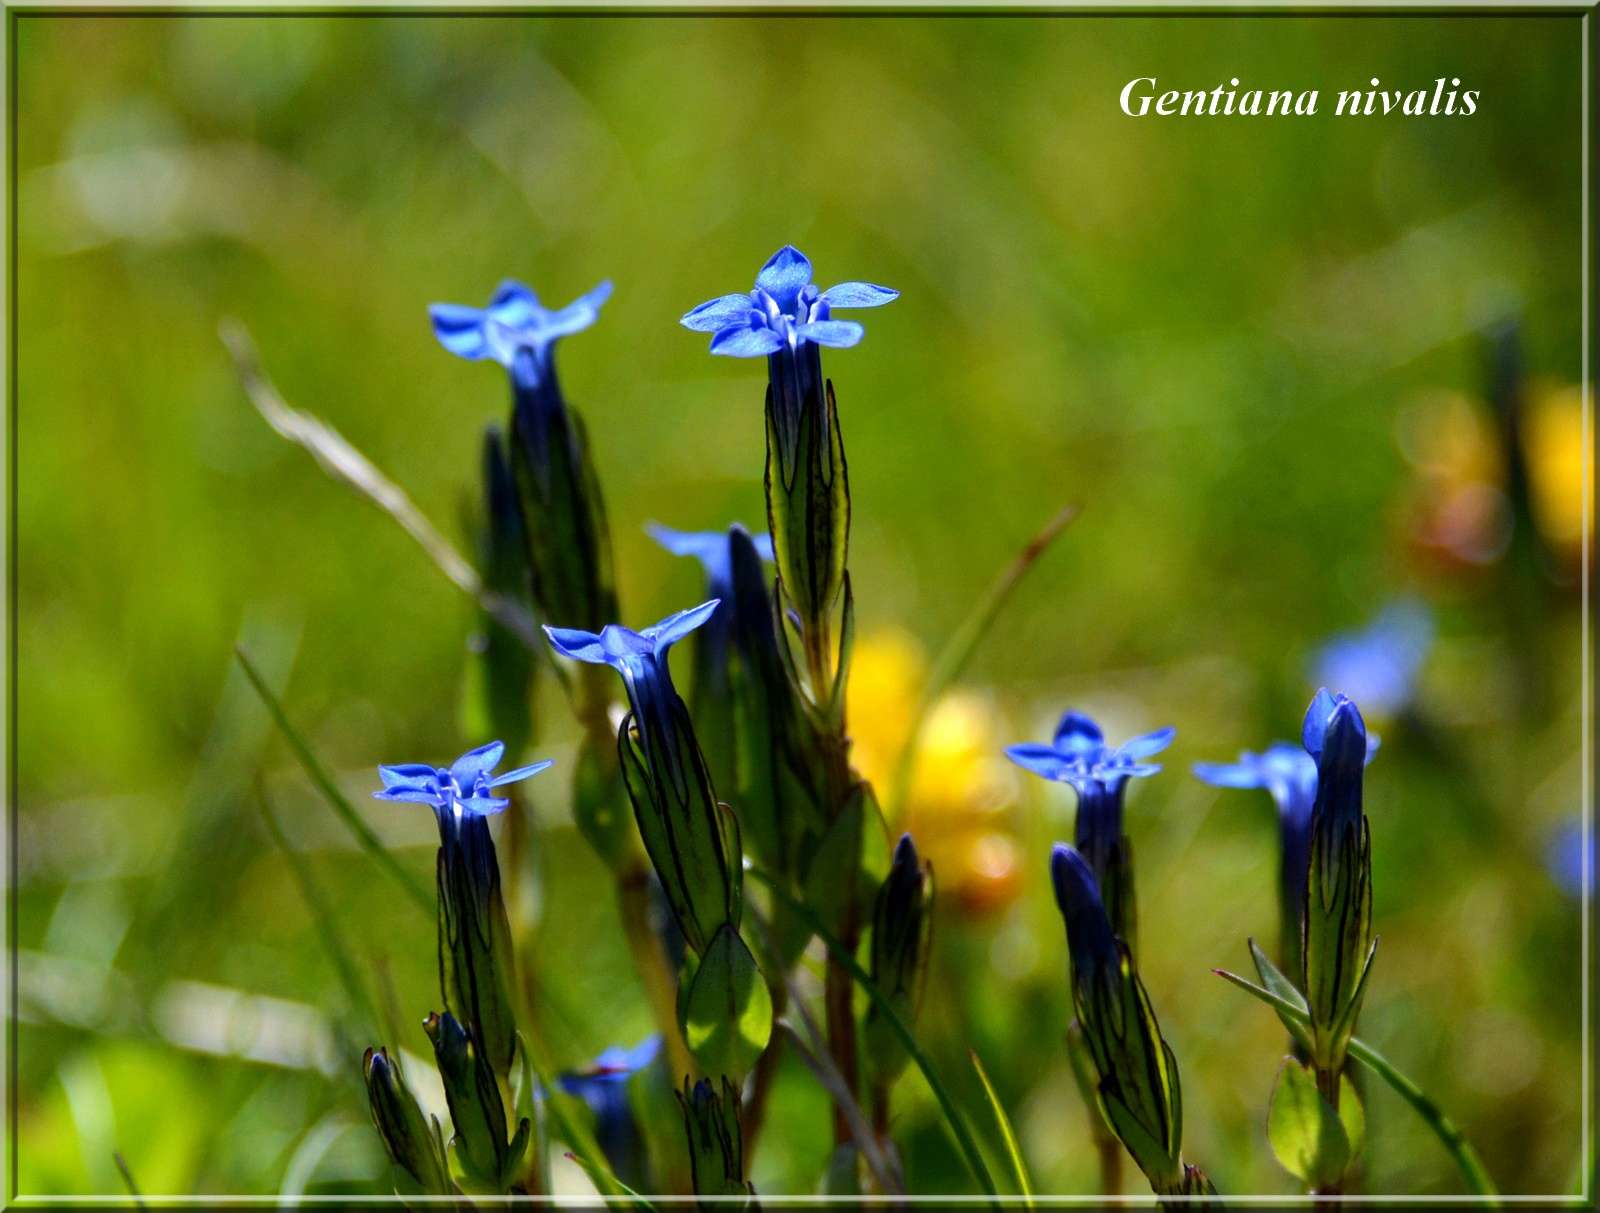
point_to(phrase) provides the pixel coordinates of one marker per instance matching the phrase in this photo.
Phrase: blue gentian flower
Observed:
(1378, 665)
(515, 330)
(604, 1087)
(1099, 774)
(464, 786)
(1089, 935)
(784, 311)
(640, 657)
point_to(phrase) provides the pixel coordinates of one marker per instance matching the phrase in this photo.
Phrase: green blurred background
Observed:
(1254, 351)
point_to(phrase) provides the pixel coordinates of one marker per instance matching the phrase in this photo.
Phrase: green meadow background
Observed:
(1212, 334)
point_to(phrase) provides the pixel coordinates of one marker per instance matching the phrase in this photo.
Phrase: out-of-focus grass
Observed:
(1205, 332)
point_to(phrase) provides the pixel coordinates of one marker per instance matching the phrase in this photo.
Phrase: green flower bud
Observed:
(902, 929)
(477, 1108)
(411, 1143)
(716, 1149)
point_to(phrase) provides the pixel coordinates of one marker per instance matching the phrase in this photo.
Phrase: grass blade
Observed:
(334, 453)
(1007, 1133)
(958, 650)
(952, 1115)
(1449, 1134)
(336, 799)
(322, 915)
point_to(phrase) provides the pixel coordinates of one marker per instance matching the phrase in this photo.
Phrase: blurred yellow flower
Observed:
(960, 787)
(1552, 436)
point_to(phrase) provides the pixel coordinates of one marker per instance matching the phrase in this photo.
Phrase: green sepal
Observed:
(1337, 937)
(1309, 1138)
(716, 1146)
(476, 1108)
(415, 1150)
(691, 839)
(727, 1015)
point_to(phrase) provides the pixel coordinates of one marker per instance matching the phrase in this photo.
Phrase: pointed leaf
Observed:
(728, 1013)
(1306, 1134)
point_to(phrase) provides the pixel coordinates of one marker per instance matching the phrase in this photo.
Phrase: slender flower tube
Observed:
(569, 549)
(1338, 945)
(476, 966)
(1138, 1088)
(411, 1143)
(1289, 775)
(1099, 774)
(716, 1148)
(787, 319)
(691, 841)
(604, 1087)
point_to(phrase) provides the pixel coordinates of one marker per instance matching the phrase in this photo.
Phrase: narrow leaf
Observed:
(1018, 1167)
(336, 799)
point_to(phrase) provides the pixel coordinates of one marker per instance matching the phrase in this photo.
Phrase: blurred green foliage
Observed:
(1204, 331)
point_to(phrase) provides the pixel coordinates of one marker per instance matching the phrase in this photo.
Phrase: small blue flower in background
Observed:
(1378, 665)
(604, 1087)
(1289, 775)
(515, 330)
(465, 785)
(1565, 859)
(711, 549)
(784, 311)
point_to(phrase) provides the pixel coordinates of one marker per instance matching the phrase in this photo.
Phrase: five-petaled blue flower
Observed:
(784, 311)
(515, 330)
(641, 659)
(1378, 665)
(464, 786)
(1079, 756)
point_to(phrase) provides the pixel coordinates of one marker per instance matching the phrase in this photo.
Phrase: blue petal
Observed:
(859, 294)
(521, 773)
(763, 546)
(576, 316)
(459, 329)
(746, 342)
(514, 295)
(407, 795)
(702, 545)
(577, 644)
(466, 769)
(1078, 734)
(405, 774)
(784, 275)
(1040, 759)
(675, 627)
(1316, 722)
(716, 313)
(1230, 775)
(1150, 743)
(483, 806)
(838, 334)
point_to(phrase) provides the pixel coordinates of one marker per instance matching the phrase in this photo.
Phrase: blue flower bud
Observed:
(412, 1144)
(1336, 924)
(1137, 1074)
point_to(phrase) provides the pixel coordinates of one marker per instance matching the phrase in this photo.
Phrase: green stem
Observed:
(1453, 1139)
(847, 961)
